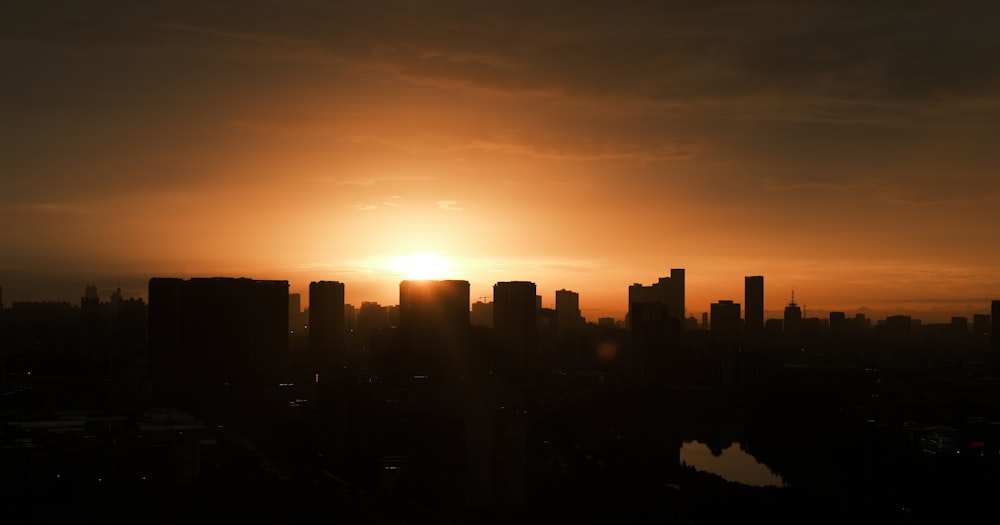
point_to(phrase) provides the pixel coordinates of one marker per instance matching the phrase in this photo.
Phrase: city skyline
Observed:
(842, 151)
(774, 308)
(388, 261)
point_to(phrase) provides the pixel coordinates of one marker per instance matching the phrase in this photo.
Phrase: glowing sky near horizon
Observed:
(843, 150)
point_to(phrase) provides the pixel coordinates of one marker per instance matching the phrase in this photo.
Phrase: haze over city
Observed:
(845, 151)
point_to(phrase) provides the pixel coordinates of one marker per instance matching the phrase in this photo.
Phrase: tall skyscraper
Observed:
(208, 333)
(326, 326)
(516, 327)
(675, 297)
(568, 312)
(793, 318)
(753, 297)
(668, 291)
(434, 327)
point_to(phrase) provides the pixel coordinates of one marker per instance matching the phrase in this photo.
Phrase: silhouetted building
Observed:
(792, 322)
(838, 324)
(773, 328)
(725, 320)
(350, 318)
(655, 344)
(753, 297)
(516, 327)
(568, 309)
(297, 320)
(668, 291)
(548, 337)
(980, 325)
(372, 317)
(482, 314)
(959, 327)
(90, 317)
(42, 328)
(434, 326)
(995, 325)
(898, 327)
(326, 326)
(206, 334)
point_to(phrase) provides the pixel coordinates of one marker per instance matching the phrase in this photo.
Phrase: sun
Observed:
(425, 265)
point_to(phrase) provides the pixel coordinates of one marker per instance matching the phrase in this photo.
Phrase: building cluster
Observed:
(438, 391)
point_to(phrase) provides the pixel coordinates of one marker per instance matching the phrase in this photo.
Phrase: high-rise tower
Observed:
(568, 313)
(753, 298)
(326, 326)
(516, 327)
(434, 327)
(793, 318)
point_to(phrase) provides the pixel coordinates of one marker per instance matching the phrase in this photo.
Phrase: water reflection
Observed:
(733, 464)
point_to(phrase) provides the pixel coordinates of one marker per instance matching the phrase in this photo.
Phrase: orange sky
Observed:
(846, 152)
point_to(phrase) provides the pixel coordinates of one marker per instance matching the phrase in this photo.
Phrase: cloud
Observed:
(826, 60)
(394, 201)
(60, 208)
(448, 205)
(586, 149)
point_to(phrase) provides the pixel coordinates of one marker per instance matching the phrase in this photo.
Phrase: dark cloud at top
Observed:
(812, 53)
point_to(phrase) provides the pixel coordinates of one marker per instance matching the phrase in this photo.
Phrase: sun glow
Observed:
(422, 266)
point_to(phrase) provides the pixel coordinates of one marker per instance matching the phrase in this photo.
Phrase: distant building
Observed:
(568, 311)
(372, 317)
(725, 320)
(296, 319)
(838, 324)
(350, 318)
(773, 328)
(51, 327)
(90, 316)
(668, 291)
(206, 334)
(981, 325)
(482, 314)
(960, 327)
(898, 327)
(792, 322)
(753, 297)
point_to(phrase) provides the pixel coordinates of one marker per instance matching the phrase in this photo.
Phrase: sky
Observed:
(844, 150)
